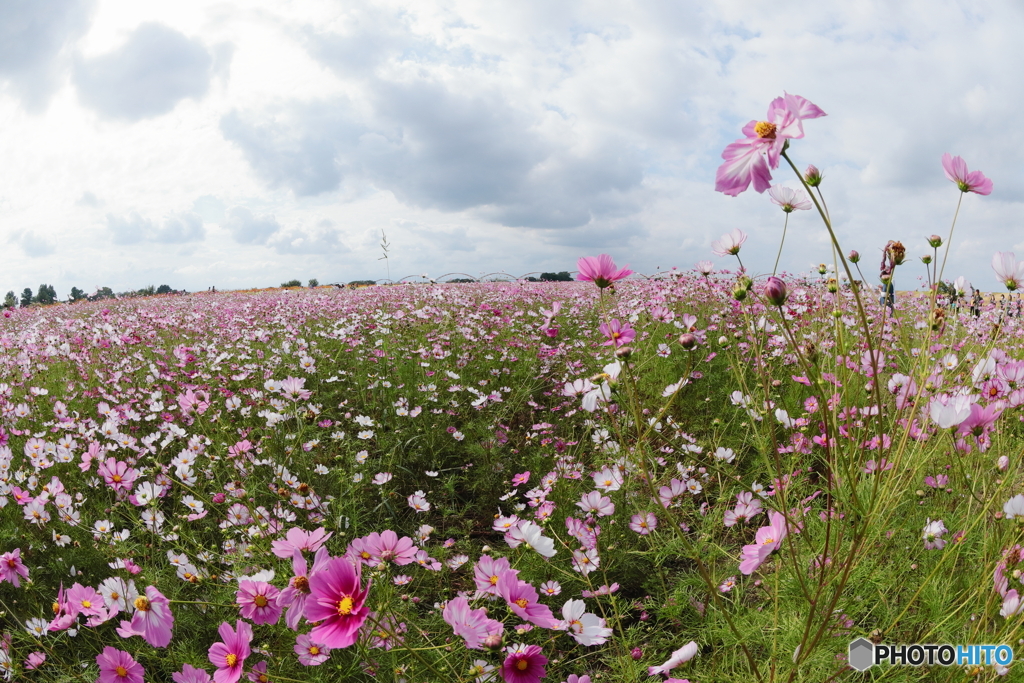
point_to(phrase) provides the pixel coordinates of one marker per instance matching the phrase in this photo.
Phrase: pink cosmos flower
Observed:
(522, 599)
(487, 572)
(117, 475)
(190, 674)
(680, 656)
(471, 624)
(11, 567)
(229, 655)
(35, 660)
(788, 198)
(257, 601)
(932, 535)
(594, 502)
(729, 245)
(619, 334)
(643, 523)
(376, 549)
(258, 674)
(311, 653)
(745, 158)
(973, 181)
(337, 601)
(117, 666)
(600, 270)
(524, 664)
(585, 627)
(300, 539)
(767, 539)
(295, 593)
(1009, 271)
(152, 619)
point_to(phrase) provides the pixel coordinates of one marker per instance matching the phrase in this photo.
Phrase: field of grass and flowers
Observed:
(703, 476)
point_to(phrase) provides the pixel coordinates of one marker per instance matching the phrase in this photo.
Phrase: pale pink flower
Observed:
(1009, 271)
(117, 666)
(680, 656)
(966, 181)
(729, 244)
(788, 198)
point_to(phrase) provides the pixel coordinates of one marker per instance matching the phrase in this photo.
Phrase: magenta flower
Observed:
(190, 674)
(229, 656)
(767, 539)
(973, 181)
(729, 245)
(600, 270)
(745, 158)
(522, 599)
(310, 652)
(594, 502)
(619, 334)
(11, 567)
(1009, 271)
(337, 601)
(35, 660)
(257, 600)
(152, 619)
(471, 624)
(524, 664)
(117, 666)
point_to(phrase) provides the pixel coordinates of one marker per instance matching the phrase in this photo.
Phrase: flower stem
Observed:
(783, 241)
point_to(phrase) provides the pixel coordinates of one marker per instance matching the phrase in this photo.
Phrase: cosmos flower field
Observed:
(704, 476)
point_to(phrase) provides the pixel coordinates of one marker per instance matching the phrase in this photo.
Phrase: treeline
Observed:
(47, 295)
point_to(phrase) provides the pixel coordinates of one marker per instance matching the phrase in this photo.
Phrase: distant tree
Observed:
(102, 293)
(292, 283)
(77, 294)
(10, 301)
(357, 283)
(26, 297)
(46, 295)
(556, 277)
(462, 280)
(147, 291)
(313, 282)
(164, 289)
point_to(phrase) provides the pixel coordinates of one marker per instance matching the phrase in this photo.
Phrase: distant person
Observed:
(976, 301)
(888, 297)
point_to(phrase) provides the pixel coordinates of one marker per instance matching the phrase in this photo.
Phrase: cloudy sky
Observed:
(244, 143)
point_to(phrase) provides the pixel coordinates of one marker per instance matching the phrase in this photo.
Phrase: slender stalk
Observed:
(783, 241)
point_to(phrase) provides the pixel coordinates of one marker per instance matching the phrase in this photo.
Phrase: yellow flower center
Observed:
(301, 583)
(116, 478)
(522, 664)
(765, 130)
(260, 600)
(86, 604)
(121, 672)
(142, 603)
(768, 540)
(56, 608)
(231, 659)
(522, 602)
(114, 595)
(494, 579)
(314, 650)
(345, 606)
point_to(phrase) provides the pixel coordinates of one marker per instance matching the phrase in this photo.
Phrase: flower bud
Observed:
(624, 352)
(636, 653)
(853, 256)
(688, 341)
(492, 641)
(746, 282)
(926, 259)
(935, 241)
(812, 176)
(832, 285)
(775, 291)
(739, 293)
(822, 269)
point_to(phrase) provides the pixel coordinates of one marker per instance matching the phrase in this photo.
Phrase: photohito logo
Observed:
(863, 654)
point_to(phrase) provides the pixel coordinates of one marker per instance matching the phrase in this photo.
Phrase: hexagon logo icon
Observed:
(862, 654)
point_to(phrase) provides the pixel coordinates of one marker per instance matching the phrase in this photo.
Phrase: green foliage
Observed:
(10, 301)
(164, 289)
(77, 294)
(292, 283)
(26, 297)
(313, 282)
